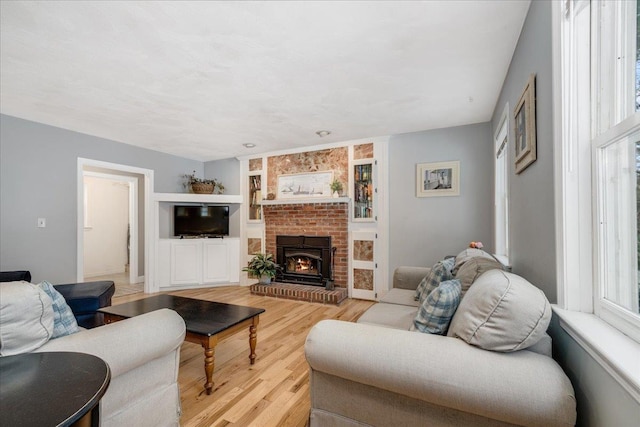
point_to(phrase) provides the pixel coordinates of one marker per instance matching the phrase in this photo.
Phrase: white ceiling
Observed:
(199, 79)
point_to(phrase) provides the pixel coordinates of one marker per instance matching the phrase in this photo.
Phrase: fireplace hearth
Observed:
(305, 260)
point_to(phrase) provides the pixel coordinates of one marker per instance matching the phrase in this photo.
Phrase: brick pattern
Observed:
(312, 219)
(363, 279)
(301, 292)
(332, 159)
(255, 164)
(363, 151)
(363, 250)
(254, 245)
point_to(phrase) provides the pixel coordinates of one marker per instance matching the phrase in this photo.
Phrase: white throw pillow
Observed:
(26, 318)
(501, 312)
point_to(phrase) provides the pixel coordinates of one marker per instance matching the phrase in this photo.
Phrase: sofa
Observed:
(84, 299)
(143, 354)
(491, 367)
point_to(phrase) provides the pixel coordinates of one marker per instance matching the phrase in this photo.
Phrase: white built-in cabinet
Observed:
(198, 262)
(185, 263)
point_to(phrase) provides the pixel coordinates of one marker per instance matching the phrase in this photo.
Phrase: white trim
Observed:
(615, 352)
(501, 207)
(149, 222)
(198, 198)
(572, 156)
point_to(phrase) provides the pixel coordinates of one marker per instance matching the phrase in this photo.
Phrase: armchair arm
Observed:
(14, 276)
(129, 343)
(409, 277)
(520, 387)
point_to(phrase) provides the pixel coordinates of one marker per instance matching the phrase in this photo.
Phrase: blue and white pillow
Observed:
(64, 322)
(436, 311)
(440, 272)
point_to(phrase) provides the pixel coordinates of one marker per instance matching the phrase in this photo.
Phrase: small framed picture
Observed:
(438, 179)
(525, 126)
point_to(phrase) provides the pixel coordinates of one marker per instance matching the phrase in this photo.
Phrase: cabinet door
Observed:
(186, 262)
(215, 259)
(364, 190)
(363, 265)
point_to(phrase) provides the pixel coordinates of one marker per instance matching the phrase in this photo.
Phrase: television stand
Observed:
(194, 262)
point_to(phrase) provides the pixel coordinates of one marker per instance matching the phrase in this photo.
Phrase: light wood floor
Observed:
(272, 392)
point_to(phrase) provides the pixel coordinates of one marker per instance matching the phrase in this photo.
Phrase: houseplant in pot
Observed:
(262, 266)
(336, 188)
(202, 186)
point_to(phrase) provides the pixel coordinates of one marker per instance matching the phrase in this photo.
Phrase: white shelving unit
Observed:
(187, 263)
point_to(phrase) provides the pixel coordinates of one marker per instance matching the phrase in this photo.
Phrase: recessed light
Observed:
(249, 145)
(323, 133)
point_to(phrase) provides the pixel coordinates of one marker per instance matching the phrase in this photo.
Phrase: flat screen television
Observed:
(205, 221)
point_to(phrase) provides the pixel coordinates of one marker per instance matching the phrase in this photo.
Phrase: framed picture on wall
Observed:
(305, 185)
(438, 179)
(525, 126)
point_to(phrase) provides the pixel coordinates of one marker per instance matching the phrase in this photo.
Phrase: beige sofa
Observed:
(143, 354)
(379, 373)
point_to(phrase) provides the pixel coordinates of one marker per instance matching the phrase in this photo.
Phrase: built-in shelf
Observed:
(305, 201)
(197, 198)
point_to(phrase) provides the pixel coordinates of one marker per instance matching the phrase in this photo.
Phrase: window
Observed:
(615, 140)
(600, 144)
(501, 188)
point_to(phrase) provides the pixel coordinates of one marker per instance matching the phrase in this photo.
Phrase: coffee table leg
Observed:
(209, 345)
(253, 338)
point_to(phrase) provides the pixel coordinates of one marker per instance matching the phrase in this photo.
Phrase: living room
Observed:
(39, 163)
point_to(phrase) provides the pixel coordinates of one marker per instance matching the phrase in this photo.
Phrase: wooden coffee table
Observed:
(206, 322)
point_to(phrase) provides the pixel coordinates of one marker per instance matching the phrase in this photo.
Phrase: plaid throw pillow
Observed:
(64, 322)
(441, 271)
(435, 313)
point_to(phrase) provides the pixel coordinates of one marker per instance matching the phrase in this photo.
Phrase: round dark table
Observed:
(52, 389)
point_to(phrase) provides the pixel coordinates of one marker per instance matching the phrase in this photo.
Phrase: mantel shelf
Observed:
(197, 198)
(305, 201)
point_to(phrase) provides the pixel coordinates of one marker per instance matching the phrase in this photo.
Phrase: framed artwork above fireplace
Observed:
(305, 185)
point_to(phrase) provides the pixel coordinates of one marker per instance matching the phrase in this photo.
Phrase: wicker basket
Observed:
(202, 188)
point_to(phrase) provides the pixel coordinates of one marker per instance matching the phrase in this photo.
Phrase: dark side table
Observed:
(52, 389)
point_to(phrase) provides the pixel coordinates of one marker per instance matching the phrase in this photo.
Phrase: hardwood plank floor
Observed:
(272, 392)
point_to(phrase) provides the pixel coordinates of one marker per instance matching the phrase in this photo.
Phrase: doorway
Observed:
(111, 229)
(113, 241)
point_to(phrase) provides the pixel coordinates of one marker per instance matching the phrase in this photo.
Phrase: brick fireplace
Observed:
(311, 218)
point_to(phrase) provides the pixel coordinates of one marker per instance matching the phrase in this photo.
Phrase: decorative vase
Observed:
(265, 280)
(336, 194)
(202, 188)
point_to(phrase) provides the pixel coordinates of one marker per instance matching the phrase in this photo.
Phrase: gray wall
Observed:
(38, 179)
(424, 230)
(531, 207)
(600, 399)
(226, 171)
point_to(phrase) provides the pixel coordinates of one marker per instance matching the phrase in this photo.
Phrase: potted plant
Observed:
(262, 266)
(202, 186)
(336, 188)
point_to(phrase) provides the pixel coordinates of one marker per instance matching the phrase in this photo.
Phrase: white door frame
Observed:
(133, 218)
(149, 247)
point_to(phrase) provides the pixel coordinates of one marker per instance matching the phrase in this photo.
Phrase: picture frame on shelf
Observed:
(524, 116)
(438, 179)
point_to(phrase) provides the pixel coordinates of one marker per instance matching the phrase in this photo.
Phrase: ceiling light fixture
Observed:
(249, 145)
(323, 133)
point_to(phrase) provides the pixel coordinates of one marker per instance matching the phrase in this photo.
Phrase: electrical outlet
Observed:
(42, 222)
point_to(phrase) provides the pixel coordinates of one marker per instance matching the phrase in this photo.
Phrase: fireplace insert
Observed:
(305, 260)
